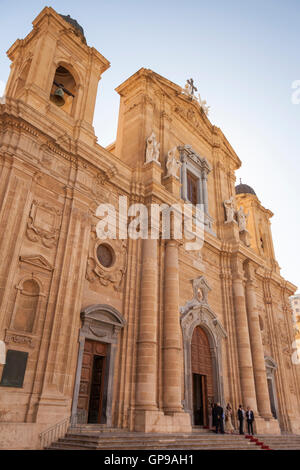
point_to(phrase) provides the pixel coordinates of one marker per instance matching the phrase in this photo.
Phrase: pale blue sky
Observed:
(243, 55)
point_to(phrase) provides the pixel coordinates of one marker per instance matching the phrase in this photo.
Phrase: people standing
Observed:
(214, 416)
(250, 419)
(228, 422)
(220, 422)
(241, 416)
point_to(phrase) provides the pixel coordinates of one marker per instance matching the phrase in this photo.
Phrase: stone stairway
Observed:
(95, 437)
(281, 442)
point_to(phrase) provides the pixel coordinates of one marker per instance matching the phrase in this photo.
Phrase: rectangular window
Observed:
(192, 188)
(14, 369)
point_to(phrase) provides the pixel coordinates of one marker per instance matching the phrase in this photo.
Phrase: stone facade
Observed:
(60, 285)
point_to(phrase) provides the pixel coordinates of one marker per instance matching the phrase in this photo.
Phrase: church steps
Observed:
(154, 442)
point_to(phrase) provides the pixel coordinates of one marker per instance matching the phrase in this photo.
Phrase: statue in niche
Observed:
(242, 219)
(230, 210)
(200, 291)
(172, 164)
(152, 149)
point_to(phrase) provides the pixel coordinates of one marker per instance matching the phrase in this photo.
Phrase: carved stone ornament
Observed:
(173, 165)
(43, 224)
(20, 339)
(112, 275)
(152, 149)
(200, 291)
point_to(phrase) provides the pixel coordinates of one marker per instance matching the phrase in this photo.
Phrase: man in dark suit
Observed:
(241, 415)
(250, 419)
(219, 419)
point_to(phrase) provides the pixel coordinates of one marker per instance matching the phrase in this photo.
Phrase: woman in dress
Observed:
(228, 423)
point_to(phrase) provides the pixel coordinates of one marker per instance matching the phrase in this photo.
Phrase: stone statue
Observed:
(172, 164)
(230, 210)
(203, 105)
(242, 219)
(152, 149)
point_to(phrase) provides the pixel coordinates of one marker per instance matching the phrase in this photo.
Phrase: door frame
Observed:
(202, 315)
(101, 323)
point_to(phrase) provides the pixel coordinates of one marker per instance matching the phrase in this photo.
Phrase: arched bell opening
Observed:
(63, 90)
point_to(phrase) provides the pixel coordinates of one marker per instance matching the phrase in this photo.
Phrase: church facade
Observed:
(142, 333)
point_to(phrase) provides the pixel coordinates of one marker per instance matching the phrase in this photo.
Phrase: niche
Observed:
(26, 306)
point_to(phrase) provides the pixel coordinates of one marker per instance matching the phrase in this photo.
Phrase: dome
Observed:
(244, 189)
(75, 24)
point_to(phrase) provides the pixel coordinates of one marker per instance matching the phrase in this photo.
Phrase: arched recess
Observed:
(198, 313)
(271, 367)
(100, 323)
(27, 305)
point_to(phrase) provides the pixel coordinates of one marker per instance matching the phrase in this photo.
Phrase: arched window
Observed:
(63, 89)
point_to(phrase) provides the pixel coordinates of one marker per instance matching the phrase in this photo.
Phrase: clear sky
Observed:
(244, 56)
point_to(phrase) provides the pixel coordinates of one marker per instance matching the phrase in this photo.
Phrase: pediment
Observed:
(37, 260)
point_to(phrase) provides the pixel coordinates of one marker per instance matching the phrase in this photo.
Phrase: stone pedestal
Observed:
(265, 426)
(245, 237)
(231, 232)
(152, 173)
(157, 421)
(173, 185)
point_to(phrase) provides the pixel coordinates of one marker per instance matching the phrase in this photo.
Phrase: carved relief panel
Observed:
(107, 262)
(43, 224)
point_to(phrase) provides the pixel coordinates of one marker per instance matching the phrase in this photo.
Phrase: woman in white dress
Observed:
(228, 423)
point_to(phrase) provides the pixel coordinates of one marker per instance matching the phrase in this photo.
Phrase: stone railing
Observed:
(59, 429)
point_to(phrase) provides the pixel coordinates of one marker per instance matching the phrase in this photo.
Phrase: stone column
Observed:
(204, 191)
(259, 368)
(146, 378)
(200, 192)
(243, 340)
(184, 180)
(171, 332)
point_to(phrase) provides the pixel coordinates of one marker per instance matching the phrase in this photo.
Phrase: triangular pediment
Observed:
(37, 260)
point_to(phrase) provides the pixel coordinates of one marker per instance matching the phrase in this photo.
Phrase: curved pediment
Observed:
(103, 314)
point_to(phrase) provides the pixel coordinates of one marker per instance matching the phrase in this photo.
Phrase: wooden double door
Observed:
(91, 391)
(202, 373)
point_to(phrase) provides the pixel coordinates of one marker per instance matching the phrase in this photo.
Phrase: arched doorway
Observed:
(271, 367)
(202, 376)
(98, 340)
(201, 331)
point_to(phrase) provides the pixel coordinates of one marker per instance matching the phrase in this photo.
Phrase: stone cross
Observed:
(192, 87)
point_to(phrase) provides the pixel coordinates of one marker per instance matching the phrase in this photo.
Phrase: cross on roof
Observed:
(191, 83)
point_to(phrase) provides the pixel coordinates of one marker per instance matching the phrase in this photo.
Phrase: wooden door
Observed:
(202, 368)
(92, 380)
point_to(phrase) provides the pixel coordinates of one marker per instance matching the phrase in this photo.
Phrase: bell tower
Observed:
(259, 224)
(56, 74)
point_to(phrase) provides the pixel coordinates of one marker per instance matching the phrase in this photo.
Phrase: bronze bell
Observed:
(58, 97)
